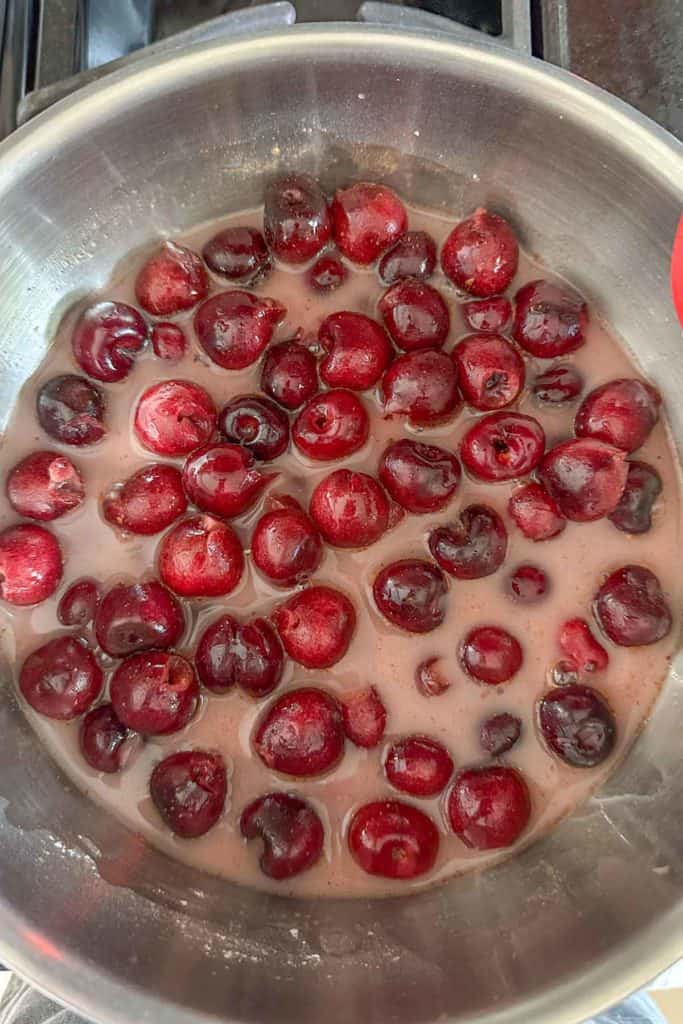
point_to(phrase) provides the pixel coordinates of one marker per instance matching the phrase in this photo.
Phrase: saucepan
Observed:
(89, 912)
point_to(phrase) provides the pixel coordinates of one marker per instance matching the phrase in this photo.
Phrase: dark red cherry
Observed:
(154, 692)
(61, 679)
(423, 387)
(285, 545)
(413, 255)
(257, 424)
(238, 253)
(104, 740)
(633, 513)
(499, 733)
(106, 339)
(490, 315)
(168, 341)
(316, 626)
(415, 315)
(248, 655)
(550, 319)
(621, 413)
(290, 374)
(350, 509)
(44, 486)
(527, 584)
(365, 717)
(301, 733)
(393, 839)
(430, 679)
(174, 417)
(189, 789)
(584, 477)
(490, 655)
(78, 603)
(473, 547)
(71, 410)
(137, 617)
(201, 557)
(291, 831)
(558, 386)
(490, 370)
(480, 255)
(420, 477)
(577, 725)
(148, 502)
(367, 219)
(296, 220)
(234, 327)
(489, 808)
(535, 512)
(223, 480)
(331, 425)
(357, 349)
(327, 274)
(581, 648)
(411, 594)
(502, 446)
(171, 280)
(30, 564)
(418, 765)
(631, 608)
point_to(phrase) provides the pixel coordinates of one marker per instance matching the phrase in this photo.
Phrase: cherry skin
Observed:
(78, 604)
(61, 679)
(285, 545)
(633, 512)
(231, 653)
(585, 478)
(621, 413)
(473, 547)
(296, 220)
(30, 564)
(168, 341)
(499, 733)
(489, 315)
(71, 410)
(527, 584)
(291, 831)
(367, 219)
(490, 655)
(502, 446)
(357, 351)
(490, 371)
(423, 387)
(413, 255)
(393, 839)
(535, 512)
(480, 255)
(418, 765)
(148, 502)
(257, 424)
(290, 374)
(550, 319)
(316, 626)
(44, 486)
(106, 339)
(420, 477)
(104, 740)
(411, 594)
(154, 692)
(301, 733)
(331, 425)
(234, 327)
(327, 274)
(364, 716)
(189, 789)
(558, 386)
(631, 608)
(171, 280)
(222, 479)
(138, 617)
(415, 315)
(174, 417)
(429, 678)
(581, 648)
(577, 725)
(201, 557)
(238, 253)
(489, 808)
(350, 509)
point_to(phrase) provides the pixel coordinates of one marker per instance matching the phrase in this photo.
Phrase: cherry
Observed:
(558, 386)
(290, 374)
(429, 679)
(633, 512)
(577, 725)
(357, 351)
(296, 220)
(30, 564)
(316, 626)
(480, 255)
(232, 653)
(104, 740)
(490, 655)
(44, 486)
(420, 477)
(415, 315)
(171, 280)
(350, 509)
(423, 386)
(499, 733)
(148, 501)
(327, 273)
(535, 512)
(621, 413)
(173, 417)
(393, 839)
(61, 679)
(581, 648)
(550, 319)
(136, 617)
(418, 765)
(489, 315)
(489, 808)
(631, 608)
(257, 424)
(285, 545)
(413, 255)
(490, 370)
(71, 410)
(221, 479)
(291, 831)
(188, 789)
(527, 584)
(154, 692)
(364, 716)
(78, 604)
(367, 219)
(502, 446)
(168, 341)
(411, 594)
(473, 547)
(106, 338)
(564, 673)
(201, 557)
(234, 327)
(585, 478)
(238, 253)
(331, 425)
(301, 733)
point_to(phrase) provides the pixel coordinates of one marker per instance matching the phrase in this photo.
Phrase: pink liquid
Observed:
(575, 562)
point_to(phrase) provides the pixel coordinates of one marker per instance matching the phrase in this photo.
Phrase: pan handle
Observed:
(516, 15)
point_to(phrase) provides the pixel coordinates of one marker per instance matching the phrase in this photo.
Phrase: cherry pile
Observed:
(120, 666)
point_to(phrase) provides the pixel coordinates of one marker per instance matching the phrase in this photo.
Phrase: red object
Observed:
(365, 717)
(677, 272)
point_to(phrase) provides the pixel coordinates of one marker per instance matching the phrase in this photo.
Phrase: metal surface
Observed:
(516, 18)
(87, 910)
